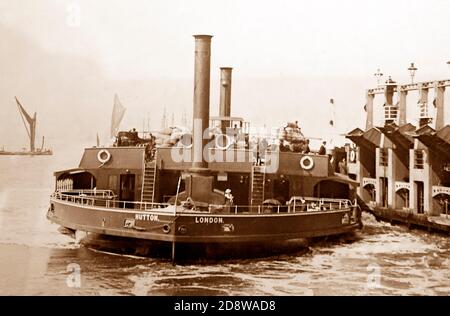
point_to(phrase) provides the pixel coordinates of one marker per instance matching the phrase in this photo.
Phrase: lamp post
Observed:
(378, 74)
(412, 72)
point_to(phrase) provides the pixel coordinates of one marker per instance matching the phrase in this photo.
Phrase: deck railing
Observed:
(105, 194)
(318, 204)
(99, 201)
(295, 205)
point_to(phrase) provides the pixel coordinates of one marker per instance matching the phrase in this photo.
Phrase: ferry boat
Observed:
(189, 189)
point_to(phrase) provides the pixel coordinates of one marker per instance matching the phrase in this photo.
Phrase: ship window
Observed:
(419, 159)
(112, 182)
(383, 157)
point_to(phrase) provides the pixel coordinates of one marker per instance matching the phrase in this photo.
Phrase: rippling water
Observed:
(34, 257)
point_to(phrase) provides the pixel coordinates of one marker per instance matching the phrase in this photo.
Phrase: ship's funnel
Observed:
(225, 91)
(201, 98)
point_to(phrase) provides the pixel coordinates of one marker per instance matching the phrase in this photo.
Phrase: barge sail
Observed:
(30, 123)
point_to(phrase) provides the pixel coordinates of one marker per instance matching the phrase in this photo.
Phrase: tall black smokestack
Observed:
(225, 91)
(201, 98)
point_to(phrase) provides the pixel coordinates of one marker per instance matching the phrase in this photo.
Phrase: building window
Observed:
(419, 159)
(423, 108)
(383, 157)
(390, 113)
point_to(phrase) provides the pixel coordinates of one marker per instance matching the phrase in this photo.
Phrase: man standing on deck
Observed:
(228, 200)
(343, 166)
(262, 147)
(322, 150)
(228, 197)
(306, 149)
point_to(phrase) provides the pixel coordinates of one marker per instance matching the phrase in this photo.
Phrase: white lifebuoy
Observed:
(307, 163)
(352, 156)
(229, 142)
(182, 138)
(101, 154)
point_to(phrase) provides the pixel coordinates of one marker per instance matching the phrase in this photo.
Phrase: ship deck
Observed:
(300, 218)
(101, 199)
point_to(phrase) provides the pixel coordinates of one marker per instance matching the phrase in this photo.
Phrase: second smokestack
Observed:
(225, 91)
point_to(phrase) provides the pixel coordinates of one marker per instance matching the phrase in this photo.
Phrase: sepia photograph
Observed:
(236, 151)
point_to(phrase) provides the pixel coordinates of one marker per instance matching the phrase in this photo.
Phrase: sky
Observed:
(67, 58)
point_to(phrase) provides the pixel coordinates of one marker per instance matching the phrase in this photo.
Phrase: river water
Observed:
(35, 259)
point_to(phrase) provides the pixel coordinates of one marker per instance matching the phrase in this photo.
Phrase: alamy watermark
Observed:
(231, 145)
(73, 280)
(374, 277)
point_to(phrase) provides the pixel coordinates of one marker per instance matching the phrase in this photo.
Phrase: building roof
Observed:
(372, 138)
(400, 135)
(438, 142)
(444, 133)
(357, 136)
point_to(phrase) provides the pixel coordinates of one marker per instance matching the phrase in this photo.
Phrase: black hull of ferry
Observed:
(200, 228)
(203, 252)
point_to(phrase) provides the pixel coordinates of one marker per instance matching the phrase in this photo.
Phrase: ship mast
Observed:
(31, 128)
(164, 120)
(43, 140)
(332, 123)
(184, 122)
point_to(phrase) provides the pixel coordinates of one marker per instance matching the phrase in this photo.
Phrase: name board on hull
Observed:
(146, 217)
(208, 220)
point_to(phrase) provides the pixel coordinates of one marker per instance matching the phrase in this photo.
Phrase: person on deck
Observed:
(306, 149)
(258, 156)
(228, 200)
(229, 197)
(262, 148)
(322, 150)
(343, 166)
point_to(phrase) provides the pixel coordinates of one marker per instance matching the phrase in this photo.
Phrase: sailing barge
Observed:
(207, 191)
(31, 131)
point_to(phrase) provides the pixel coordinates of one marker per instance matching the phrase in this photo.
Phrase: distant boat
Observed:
(30, 126)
